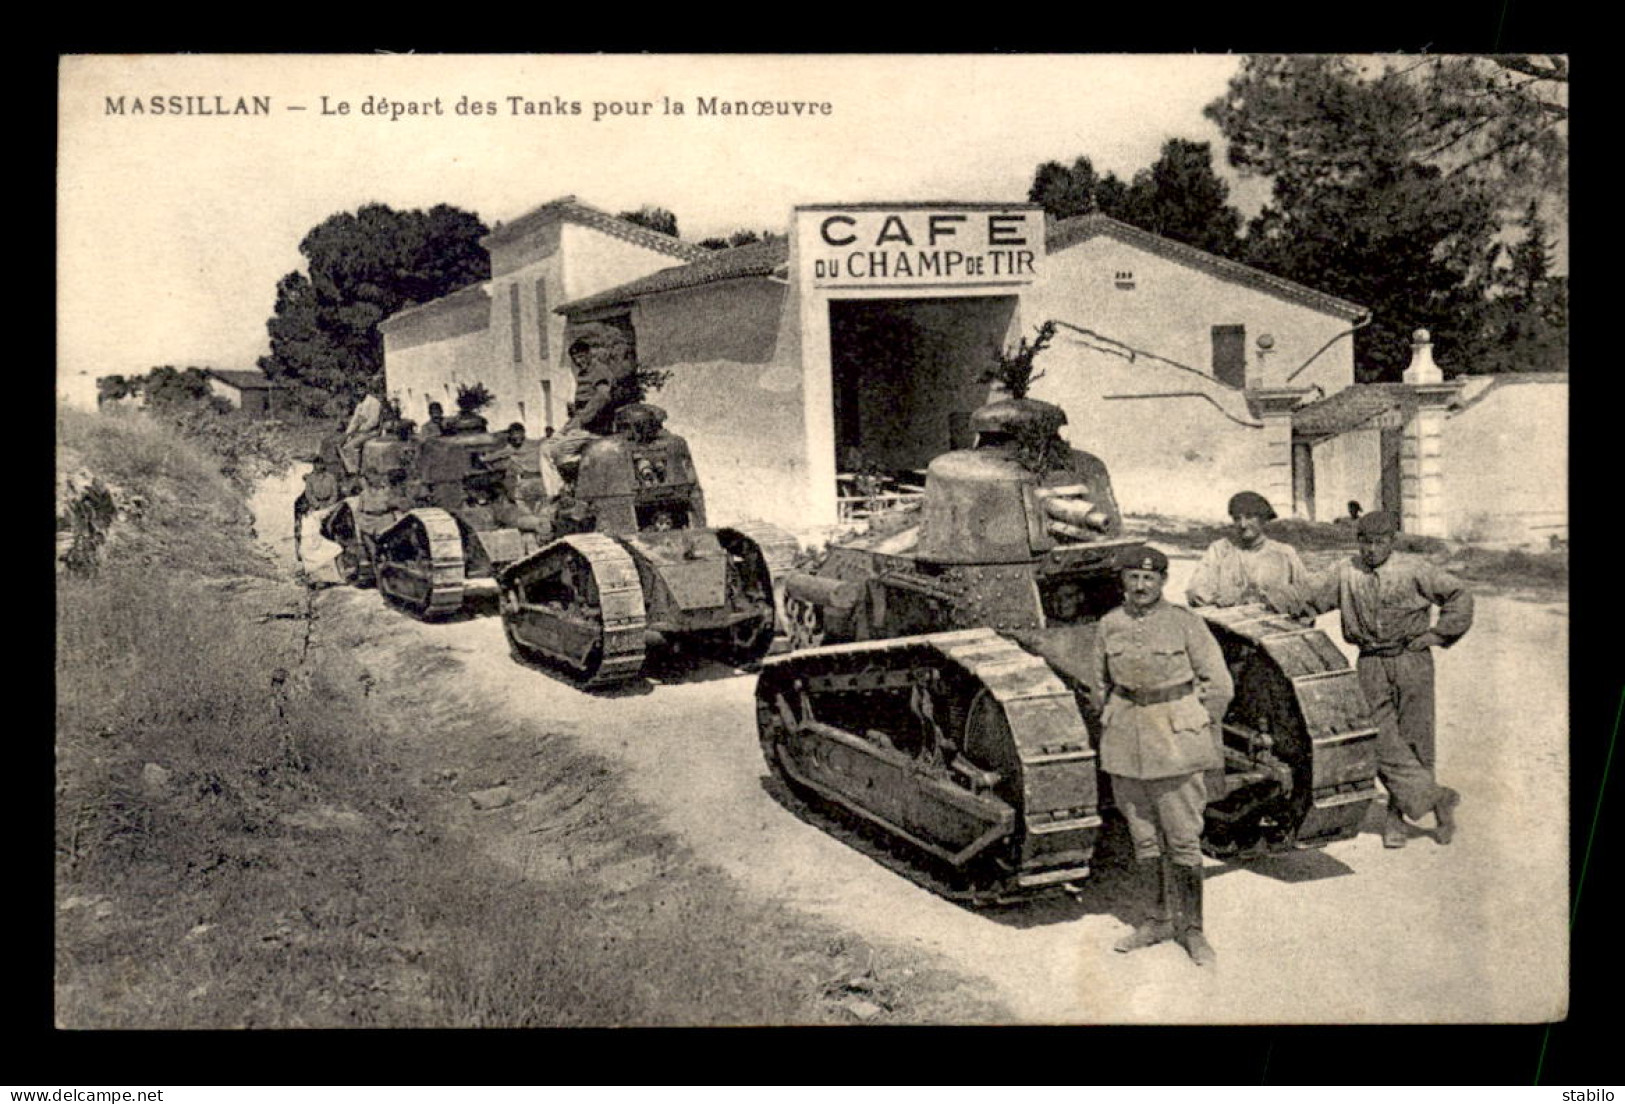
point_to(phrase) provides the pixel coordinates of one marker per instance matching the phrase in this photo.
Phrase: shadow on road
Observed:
(1109, 890)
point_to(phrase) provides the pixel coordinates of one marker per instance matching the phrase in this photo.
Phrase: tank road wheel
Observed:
(353, 566)
(806, 622)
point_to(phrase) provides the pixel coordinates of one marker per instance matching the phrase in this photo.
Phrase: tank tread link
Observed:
(432, 584)
(593, 618)
(980, 758)
(1300, 745)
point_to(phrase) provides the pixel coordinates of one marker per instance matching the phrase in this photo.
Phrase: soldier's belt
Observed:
(1156, 695)
(1386, 651)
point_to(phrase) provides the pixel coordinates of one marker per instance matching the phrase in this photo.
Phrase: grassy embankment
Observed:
(240, 841)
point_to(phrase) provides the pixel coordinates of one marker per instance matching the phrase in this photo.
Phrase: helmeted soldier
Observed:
(1163, 687)
(1246, 566)
(1387, 602)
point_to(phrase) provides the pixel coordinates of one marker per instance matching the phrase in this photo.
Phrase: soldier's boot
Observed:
(1188, 915)
(1444, 810)
(1160, 927)
(1394, 833)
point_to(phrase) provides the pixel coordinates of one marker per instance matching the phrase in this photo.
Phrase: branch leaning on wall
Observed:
(1130, 353)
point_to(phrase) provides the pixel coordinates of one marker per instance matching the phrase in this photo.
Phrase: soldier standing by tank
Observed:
(363, 424)
(1164, 686)
(435, 426)
(1246, 566)
(605, 381)
(1387, 603)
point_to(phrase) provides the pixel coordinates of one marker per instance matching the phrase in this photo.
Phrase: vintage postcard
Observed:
(673, 540)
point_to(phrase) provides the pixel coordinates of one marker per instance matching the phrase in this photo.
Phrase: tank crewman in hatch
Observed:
(1164, 686)
(605, 374)
(1246, 566)
(1387, 603)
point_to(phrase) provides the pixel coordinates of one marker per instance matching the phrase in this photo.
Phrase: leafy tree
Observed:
(653, 218)
(1182, 198)
(1390, 180)
(1179, 196)
(362, 268)
(1523, 325)
(738, 238)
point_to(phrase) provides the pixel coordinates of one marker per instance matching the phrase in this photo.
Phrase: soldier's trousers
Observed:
(558, 448)
(1399, 690)
(1164, 815)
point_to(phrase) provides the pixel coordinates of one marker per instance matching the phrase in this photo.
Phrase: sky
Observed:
(173, 229)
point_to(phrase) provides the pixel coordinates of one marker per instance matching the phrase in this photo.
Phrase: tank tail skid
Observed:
(961, 743)
(421, 563)
(1300, 745)
(578, 601)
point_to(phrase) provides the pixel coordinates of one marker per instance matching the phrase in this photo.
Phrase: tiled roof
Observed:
(243, 379)
(459, 298)
(765, 258)
(1069, 232)
(571, 209)
(1352, 408)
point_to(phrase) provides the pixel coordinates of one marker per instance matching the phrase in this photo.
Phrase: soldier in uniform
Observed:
(1246, 566)
(321, 491)
(605, 381)
(1164, 686)
(1387, 604)
(435, 426)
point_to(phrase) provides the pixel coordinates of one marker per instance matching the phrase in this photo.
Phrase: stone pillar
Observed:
(1274, 407)
(1421, 458)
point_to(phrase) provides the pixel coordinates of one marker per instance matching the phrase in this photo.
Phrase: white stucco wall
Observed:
(1173, 307)
(1505, 464)
(735, 393)
(222, 389)
(1183, 456)
(430, 371)
(1349, 466)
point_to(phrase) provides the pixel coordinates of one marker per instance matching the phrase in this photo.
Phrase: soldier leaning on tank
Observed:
(321, 491)
(605, 382)
(1387, 601)
(1164, 687)
(1246, 566)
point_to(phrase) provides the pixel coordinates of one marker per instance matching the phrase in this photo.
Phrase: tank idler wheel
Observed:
(806, 623)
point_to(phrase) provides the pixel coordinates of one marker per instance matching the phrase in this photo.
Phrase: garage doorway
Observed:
(906, 376)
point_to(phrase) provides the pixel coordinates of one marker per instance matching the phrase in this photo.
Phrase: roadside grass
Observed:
(241, 842)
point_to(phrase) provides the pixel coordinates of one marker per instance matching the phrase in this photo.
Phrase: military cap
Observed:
(1142, 557)
(1378, 523)
(520, 426)
(1250, 504)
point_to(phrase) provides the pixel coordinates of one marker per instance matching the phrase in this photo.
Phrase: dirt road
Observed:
(1472, 932)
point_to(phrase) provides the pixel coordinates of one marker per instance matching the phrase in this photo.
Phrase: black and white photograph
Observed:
(683, 540)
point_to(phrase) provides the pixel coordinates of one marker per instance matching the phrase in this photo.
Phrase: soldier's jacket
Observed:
(1161, 649)
(1386, 608)
(1230, 575)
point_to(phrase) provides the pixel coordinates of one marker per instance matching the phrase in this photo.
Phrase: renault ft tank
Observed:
(433, 522)
(944, 691)
(634, 566)
(467, 528)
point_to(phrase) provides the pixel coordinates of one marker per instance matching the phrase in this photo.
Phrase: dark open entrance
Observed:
(905, 376)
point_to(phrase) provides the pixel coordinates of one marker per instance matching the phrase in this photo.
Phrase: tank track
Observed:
(1300, 724)
(441, 575)
(1020, 817)
(619, 616)
(779, 548)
